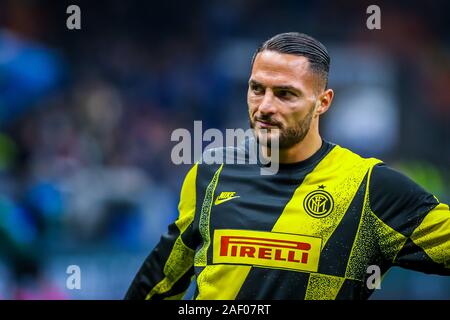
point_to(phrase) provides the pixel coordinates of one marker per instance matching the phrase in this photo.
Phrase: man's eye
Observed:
(257, 89)
(285, 94)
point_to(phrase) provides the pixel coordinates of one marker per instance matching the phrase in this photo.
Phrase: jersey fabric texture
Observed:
(310, 231)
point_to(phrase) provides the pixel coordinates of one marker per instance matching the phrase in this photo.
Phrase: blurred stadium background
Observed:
(86, 117)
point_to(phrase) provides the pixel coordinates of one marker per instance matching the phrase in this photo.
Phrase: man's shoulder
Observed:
(341, 152)
(386, 181)
(397, 200)
(391, 180)
(243, 152)
(220, 154)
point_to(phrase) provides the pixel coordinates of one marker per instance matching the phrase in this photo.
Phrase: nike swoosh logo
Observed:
(219, 201)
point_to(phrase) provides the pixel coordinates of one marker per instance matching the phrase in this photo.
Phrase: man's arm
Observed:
(167, 272)
(415, 232)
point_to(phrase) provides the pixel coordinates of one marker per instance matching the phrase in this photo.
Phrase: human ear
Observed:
(324, 101)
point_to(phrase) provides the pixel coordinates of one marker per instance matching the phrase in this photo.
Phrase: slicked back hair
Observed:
(303, 45)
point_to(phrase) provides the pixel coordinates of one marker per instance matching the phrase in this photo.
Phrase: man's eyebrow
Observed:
(289, 88)
(254, 82)
(286, 87)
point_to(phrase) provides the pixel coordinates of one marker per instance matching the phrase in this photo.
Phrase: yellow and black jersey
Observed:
(311, 231)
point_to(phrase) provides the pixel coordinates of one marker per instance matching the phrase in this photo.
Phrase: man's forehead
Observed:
(271, 65)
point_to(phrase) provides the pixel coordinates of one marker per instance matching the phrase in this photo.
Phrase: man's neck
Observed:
(302, 150)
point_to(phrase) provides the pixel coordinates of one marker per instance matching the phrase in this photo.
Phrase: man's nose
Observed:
(267, 105)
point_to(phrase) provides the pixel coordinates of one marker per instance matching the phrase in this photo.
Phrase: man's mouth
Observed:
(266, 124)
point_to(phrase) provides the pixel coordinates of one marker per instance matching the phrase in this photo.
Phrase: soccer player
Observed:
(310, 231)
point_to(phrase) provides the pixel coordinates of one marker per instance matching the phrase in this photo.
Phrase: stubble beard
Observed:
(288, 137)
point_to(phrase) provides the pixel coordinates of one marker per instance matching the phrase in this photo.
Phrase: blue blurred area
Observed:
(86, 117)
(28, 72)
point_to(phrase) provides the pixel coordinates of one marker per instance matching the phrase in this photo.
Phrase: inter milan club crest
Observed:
(318, 203)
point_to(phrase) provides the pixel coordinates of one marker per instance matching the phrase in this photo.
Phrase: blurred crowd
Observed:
(86, 115)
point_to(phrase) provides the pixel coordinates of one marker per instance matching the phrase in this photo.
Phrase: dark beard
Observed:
(291, 136)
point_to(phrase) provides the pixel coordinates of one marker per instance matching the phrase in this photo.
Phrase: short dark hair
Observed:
(300, 44)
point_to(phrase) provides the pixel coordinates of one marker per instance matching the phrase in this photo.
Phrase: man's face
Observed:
(282, 94)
